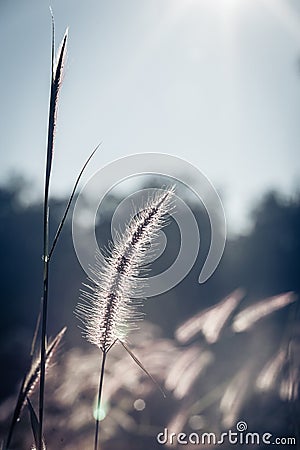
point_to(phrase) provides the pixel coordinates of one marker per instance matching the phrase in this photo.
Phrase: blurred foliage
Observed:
(264, 262)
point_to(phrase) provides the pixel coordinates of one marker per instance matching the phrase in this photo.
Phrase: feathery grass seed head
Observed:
(108, 309)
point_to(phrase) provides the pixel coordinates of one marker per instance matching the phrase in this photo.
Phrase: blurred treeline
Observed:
(264, 262)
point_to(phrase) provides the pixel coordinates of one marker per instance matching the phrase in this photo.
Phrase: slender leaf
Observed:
(34, 425)
(138, 362)
(69, 202)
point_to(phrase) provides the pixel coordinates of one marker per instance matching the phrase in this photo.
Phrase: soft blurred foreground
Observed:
(224, 352)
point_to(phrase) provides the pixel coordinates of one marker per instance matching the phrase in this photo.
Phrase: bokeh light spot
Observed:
(139, 404)
(196, 422)
(100, 412)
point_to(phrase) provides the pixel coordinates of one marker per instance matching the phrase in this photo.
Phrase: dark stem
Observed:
(43, 353)
(104, 353)
(44, 312)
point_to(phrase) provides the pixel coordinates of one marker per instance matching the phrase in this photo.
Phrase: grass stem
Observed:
(104, 354)
(44, 307)
(56, 79)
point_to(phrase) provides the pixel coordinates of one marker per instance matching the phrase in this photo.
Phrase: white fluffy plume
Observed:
(108, 311)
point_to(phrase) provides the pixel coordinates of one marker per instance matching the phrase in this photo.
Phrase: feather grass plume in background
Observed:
(30, 382)
(109, 310)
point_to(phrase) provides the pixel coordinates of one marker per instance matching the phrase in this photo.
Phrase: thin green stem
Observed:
(104, 354)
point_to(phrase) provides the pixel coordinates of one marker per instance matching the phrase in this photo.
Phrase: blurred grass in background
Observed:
(214, 377)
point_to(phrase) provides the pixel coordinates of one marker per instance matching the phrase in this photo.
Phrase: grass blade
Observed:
(35, 335)
(138, 362)
(70, 201)
(16, 414)
(34, 425)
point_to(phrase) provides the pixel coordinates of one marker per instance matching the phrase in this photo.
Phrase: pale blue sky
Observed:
(216, 82)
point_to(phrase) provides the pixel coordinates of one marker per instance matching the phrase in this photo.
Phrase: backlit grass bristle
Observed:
(108, 311)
